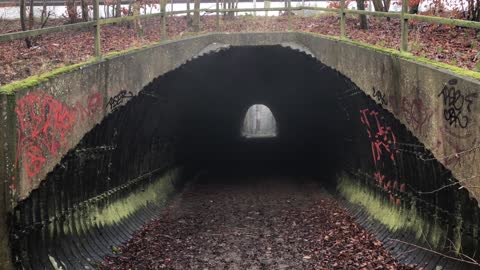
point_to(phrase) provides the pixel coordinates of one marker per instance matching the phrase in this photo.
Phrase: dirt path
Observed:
(253, 224)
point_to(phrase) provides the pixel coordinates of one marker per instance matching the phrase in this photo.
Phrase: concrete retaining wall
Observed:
(440, 107)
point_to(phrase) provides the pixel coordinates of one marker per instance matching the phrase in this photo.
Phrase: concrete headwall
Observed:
(42, 122)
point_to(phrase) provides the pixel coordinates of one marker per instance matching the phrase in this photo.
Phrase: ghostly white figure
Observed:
(259, 122)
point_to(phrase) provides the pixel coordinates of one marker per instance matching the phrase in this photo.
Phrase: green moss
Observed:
(393, 217)
(56, 265)
(32, 81)
(133, 49)
(116, 211)
(402, 55)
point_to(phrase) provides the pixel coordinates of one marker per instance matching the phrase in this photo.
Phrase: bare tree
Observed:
(118, 8)
(189, 16)
(196, 16)
(72, 10)
(31, 20)
(23, 23)
(138, 23)
(84, 5)
(381, 5)
(473, 12)
(362, 17)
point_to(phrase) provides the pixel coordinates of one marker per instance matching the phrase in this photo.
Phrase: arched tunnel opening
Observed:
(185, 127)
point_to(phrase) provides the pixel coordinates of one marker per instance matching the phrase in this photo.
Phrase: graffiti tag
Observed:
(379, 96)
(382, 138)
(44, 123)
(457, 106)
(118, 100)
(43, 126)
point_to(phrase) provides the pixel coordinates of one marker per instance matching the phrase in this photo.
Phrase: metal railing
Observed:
(163, 14)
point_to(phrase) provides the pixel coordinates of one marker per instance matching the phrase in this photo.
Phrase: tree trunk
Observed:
(44, 10)
(84, 10)
(362, 17)
(138, 23)
(230, 14)
(378, 5)
(31, 21)
(196, 16)
(386, 6)
(23, 23)
(118, 9)
(72, 10)
(414, 8)
(189, 15)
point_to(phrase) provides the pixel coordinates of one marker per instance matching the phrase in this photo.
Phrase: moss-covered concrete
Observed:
(395, 218)
(115, 212)
(156, 193)
(402, 78)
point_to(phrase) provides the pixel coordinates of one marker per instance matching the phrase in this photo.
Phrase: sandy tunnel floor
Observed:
(253, 223)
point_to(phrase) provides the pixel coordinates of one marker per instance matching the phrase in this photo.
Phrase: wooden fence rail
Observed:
(97, 22)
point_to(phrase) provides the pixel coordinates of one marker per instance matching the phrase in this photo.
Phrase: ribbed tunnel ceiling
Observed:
(192, 118)
(211, 97)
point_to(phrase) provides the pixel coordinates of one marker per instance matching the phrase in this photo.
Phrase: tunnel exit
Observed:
(259, 122)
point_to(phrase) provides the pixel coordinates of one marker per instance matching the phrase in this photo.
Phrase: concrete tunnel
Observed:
(188, 123)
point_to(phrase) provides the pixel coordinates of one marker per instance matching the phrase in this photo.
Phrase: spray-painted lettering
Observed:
(379, 96)
(457, 105)
(44, 123)
(382, 138)
(118, 100)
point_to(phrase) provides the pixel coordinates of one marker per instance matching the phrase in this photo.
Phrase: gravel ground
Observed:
(253, 223)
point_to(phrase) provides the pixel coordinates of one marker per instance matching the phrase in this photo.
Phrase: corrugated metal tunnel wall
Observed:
(190, 120)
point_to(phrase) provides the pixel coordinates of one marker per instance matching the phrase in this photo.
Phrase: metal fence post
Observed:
(342, 18)
(404, 27)
(217, 19)
(96, 16)
(163, 9)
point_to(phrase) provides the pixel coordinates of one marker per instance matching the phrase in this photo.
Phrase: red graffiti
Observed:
(382, 138)
(416, 113)
(389, 188)
(387, 185)
(94, 105)
(379, 178)
(402, 187)
(44, 123)
(395, 185)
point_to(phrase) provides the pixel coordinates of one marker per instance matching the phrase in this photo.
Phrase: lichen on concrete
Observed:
(116, 211)
(33, 81)
(395, 218)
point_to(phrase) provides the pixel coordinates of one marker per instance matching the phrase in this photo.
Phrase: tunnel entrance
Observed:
(189, 123)
(259, 122)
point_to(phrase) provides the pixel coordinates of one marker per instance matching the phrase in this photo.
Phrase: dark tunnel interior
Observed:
(192, 117)
(211, 108)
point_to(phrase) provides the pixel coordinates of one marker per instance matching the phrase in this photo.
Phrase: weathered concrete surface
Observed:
(5, 261)
(439, 107)
(53, 117)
